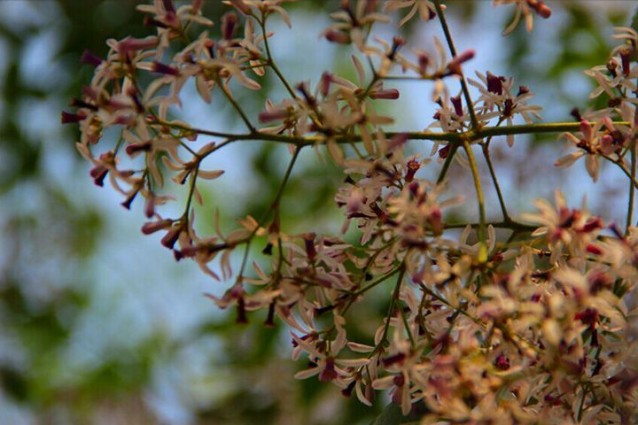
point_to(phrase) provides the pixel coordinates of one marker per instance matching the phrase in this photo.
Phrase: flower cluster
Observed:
(538, 327)
(600, 137)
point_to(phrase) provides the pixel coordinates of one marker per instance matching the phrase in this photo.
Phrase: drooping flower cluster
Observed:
(536, 328)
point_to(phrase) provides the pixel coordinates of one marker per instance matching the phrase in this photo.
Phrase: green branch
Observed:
(501, 200)
(482, 234)
(469, 136)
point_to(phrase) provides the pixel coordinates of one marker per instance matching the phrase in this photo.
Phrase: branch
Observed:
(467, 136)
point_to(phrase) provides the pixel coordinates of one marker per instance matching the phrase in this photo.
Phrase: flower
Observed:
(498, 101)
(536, 328)
(612, 79)
(425, 8)
(353, 23)
(525, 9)
(563, 228)
(323, 355)
(593, 142)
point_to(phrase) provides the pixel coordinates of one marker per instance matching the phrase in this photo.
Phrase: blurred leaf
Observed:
(392, 415)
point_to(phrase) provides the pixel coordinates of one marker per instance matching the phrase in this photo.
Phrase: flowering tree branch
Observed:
(531, 327)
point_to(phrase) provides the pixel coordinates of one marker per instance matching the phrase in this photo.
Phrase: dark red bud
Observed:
(98, 173)
(337, 37)
(309, 242)
(138, 147)
(170, 238)
(242, 317)
(424, 62)
(540, 8)
(495, 83)
(90, 58)
(149, 206)
(389, 94)
(588, 316)
(129, 200)
(161, 68)
(70, 118)
(154, 226)
(229, 25)
(347, 391)
(454, 67)
(575, 112)
(270, 318)
(444, 151)
(502, 362)
(458, 105)
(77, 103)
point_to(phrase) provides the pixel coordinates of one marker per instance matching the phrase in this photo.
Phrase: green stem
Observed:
(235, 105)
(299, 141)
(393, 302)
(447, 163)
(581, 406)
(501, 200)
(482, 234)
(632, 178)
(375, 283)
(406, 325)
(450, 43)
(273, 206)
(442, 300)
(191, 192)
(271, 62)
(352, 296)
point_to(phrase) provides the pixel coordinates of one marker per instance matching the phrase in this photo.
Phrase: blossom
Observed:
(525, 9)
(593, 142)
(564, 228)
(352, 24)
(402, 364)
(451, 116)
(266, 7)
(388, 56)
(535, 327)
(497, 100)
(617, 77)
(323, 355)
(425, 8)
(612, 79)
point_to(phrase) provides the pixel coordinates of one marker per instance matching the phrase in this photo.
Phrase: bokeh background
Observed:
(99, 325)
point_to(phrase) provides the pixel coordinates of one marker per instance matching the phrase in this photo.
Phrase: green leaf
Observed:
(391, 415)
